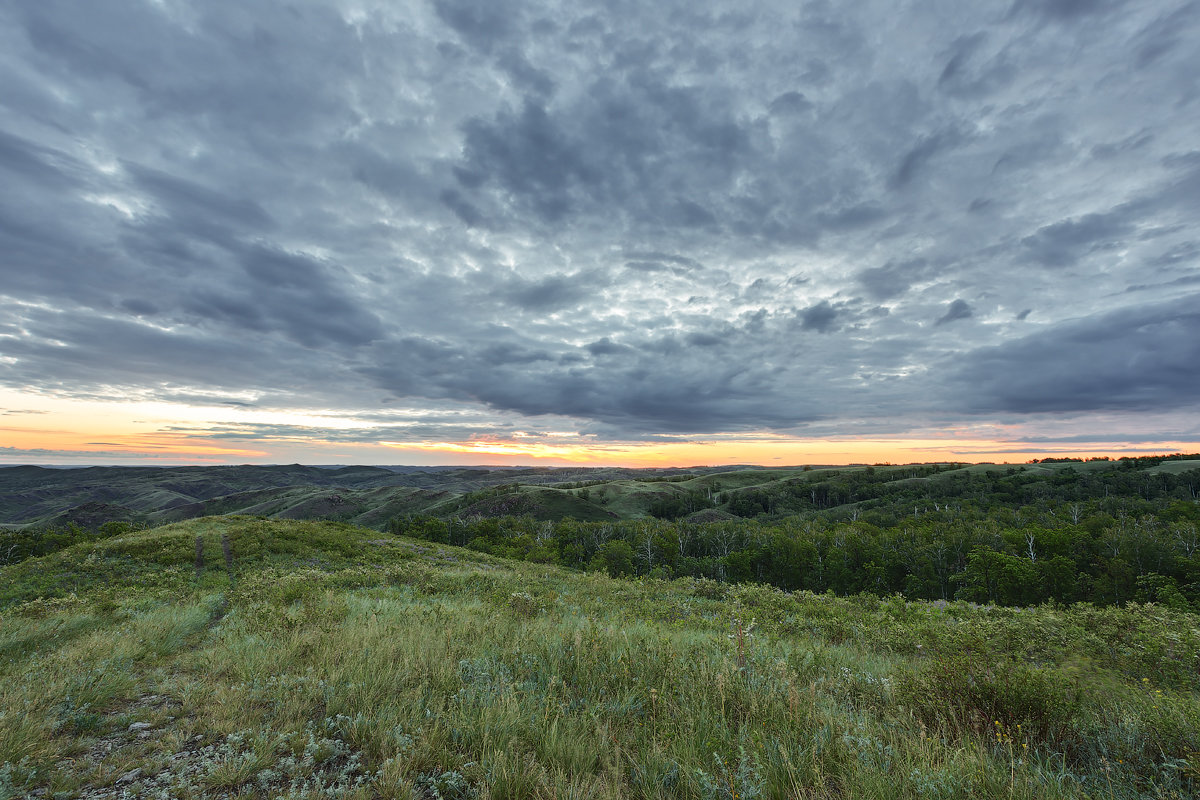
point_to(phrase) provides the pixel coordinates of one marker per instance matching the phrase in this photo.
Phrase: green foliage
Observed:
(679, 504)
(615, 558)
(977, 693)
(1062, 552)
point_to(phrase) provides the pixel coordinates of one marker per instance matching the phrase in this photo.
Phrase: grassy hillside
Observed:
(332, 661)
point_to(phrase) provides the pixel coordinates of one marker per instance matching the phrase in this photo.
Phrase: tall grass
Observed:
(337, 664)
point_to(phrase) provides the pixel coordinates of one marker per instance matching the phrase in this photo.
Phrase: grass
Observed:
(1175, 466)
(340, 662)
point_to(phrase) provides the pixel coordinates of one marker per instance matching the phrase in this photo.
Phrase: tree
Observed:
(615, 558)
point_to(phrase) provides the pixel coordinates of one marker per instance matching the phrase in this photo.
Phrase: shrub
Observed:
(450, 785)
(996, 697)
(524, 604)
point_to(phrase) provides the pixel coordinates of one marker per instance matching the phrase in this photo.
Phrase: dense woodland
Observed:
(1007, 536)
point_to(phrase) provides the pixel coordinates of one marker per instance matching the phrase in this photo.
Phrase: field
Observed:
(323, 660)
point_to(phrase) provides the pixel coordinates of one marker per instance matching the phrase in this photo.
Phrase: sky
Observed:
(496, 232)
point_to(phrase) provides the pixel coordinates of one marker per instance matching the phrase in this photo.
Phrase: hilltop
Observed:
(324, 660)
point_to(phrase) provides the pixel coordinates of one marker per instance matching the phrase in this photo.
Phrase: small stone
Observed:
(131, 776)
(139, 726)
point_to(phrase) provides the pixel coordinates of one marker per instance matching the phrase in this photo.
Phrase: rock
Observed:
(131, 776)
(139, 726)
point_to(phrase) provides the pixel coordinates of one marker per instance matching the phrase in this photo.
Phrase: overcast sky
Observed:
(638, 222)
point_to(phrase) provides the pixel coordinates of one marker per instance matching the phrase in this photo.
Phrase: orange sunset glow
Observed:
(65, 431)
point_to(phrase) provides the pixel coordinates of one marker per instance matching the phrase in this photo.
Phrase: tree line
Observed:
(999, 537)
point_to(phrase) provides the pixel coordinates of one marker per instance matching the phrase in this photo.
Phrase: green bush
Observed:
(999, 698)
(616, 558)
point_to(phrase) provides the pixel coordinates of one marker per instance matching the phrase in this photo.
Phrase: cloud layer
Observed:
(682, 218)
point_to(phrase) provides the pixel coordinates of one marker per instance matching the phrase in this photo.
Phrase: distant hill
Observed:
(89, 496)
(372, 496)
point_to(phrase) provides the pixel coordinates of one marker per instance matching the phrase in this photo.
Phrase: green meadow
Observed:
(309, 659)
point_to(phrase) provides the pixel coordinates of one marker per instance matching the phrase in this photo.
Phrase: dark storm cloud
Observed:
(1064, 243)
(661, 262)
(531, 158)
(668, 258)
(187, 200)
(639, 386)
(462, 208)
(1067, 10)
(15, 455)
(413, 432)
(791, 102)
(861, 215)
(1186, 280)
(921, 153)
(892, 279)
(607, 347)
(1158, 39)
(1135, 359)
(820, 317)
(959, 309)
(703, 340)
(970, 71)
(479, 24)
(1108, 436)
(605, 152)
(30, 161)
(677, 217)
(552, 292)
(83, 351)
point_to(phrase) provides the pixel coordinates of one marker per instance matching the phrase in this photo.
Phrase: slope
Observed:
(323, 660)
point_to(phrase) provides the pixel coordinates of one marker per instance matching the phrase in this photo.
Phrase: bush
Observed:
(524, 604)
(995, 697)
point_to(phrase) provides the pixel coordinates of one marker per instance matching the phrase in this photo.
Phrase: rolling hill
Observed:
(373, 496)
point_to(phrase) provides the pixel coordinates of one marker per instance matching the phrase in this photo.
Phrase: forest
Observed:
(1109, 534)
